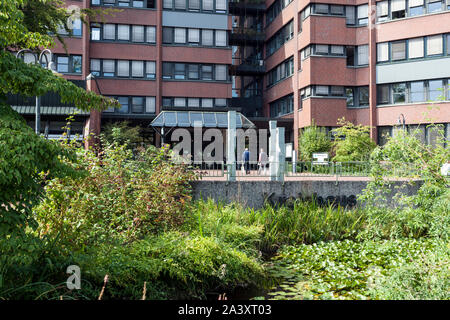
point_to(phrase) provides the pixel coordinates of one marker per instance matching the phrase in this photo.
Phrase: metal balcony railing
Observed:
(247, 67)
(246, 7)
(246, 36)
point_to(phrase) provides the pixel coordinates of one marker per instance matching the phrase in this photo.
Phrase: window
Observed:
(382, 51)
(180, 4)
(363, 96)
(350, 52)
(321, 8)
(123, 68)
(124, 3)
(322, 90)
(363, 55)
(137, 34)
(434, 5)
(415, 48)
(398, 50)
(194, 36)
(337, 10)
(95, 67)
(322, 48)
(398, 9)
(193, 72)
(435, 90)
(349, 96)
(150, 105)
(193, 102)
(62, 64)
(76, 27)
(207, 103)
(108, 68)
(180, 35)
(124, 104)
(350, 15)
(221, 38)
(207, 37)
(150, 69)
(167, 35)
(151, 34)
(337, 50)
(137, 105)
(434, 45)
(194, 5)
(417, 91)
(137, 69)
(221, 72)
(416, 7)
(95, 33)
(109, 32)
(448, 41)
(220, 102)
(363, 14)
(123, 32)
(167, 4)
(382, 11)
(221, 5)
(167, 70)
(399, 92)
(179, 102)
(207, 72)
(179, 71)
(138, 4)
(337, 91)
(383, 94)
(208, 5)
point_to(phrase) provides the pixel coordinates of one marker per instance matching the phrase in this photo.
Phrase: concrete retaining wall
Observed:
(254, 193)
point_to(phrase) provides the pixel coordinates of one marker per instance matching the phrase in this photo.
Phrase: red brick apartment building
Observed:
(378, 63)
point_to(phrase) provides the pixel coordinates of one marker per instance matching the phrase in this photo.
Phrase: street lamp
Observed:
(402, 120)
(50, 67)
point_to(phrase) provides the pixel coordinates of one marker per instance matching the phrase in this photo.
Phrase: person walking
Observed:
(262, 161)
(246, 160)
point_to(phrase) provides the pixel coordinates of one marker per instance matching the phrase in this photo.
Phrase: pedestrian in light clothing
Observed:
(262, 161)
(246, 160)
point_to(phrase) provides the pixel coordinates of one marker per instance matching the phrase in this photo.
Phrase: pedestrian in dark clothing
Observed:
(246, 160)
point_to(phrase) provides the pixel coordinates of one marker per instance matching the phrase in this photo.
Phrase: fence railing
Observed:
(301, 169)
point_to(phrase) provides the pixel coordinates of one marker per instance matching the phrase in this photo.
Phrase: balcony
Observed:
(250, 107)
(246, 37)
(246, 7)
(247, 67)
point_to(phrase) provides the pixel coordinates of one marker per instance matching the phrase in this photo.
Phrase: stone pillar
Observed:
(231, 146)
(281, 153)
(273, 150)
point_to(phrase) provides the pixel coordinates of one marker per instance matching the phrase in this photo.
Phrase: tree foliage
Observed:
(313, 139)
(352, 142)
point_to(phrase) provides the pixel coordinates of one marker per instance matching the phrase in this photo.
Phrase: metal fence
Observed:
(302, 169)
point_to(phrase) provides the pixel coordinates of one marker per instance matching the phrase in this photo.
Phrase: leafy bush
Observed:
(352, 143)
(313, 139)
(122, 133)
(174, 265)
(122, 198)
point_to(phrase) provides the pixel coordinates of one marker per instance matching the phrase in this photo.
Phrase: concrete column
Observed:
(231, 146)
(273, 150)
(281, 153)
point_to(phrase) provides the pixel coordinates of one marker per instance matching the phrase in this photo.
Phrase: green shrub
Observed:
(312, 139)
(352, 143)
(122, 198)
(174, 265)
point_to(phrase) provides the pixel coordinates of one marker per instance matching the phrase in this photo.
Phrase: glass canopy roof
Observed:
(204, 119)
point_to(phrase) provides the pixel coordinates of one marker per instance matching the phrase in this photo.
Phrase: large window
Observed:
(123, 68)
(182, 71)
(68, 64)
(193, 36)
(282, 106)
(412, 92)
(398, 50)
(134, 104)
(281, 71)
(149, 4)
(183, 102)
(357, 97)
(382, 51)
(210, 6)
(398, 9)
(415, 48)
(282, 36)
(123, 33)
(434, 45)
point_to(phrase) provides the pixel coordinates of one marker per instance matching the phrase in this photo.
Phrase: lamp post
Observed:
(402, 120)
(38, 98)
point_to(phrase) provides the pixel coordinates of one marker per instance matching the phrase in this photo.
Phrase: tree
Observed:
(353, 142)
(27, 159)
(311, 140)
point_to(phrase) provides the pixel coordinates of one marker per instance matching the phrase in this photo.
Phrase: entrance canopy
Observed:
(187, 119)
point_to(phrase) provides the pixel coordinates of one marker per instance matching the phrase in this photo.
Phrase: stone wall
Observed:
(254, 193)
